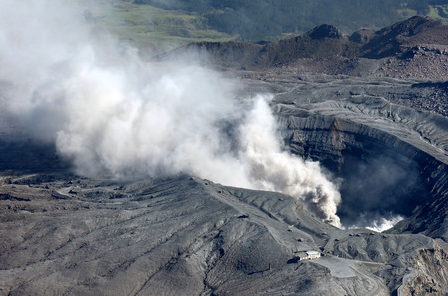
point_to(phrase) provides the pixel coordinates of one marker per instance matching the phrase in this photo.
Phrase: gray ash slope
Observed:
(64, 234)
(182, 235)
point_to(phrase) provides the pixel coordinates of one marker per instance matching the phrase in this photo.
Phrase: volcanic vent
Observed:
(112, 194)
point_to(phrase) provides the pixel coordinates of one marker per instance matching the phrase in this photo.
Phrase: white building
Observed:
(308, 255)
(313, 254)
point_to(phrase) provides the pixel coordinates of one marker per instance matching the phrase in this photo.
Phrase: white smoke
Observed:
(110, 112)
(384, 224)
(270, 168)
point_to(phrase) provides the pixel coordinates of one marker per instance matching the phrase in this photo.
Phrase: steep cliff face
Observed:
(431, 216)
(390, 157)
(380, 173)
(430, 274)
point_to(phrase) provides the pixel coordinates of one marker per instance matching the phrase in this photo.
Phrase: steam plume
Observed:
(110, 112)
(384, 224)
(270, 168)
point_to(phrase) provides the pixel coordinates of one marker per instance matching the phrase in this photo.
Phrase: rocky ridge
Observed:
(414, 48)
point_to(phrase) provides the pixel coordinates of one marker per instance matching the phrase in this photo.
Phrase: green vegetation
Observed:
(150, 29)
(255, 20)
(159, 25)
(439, 11)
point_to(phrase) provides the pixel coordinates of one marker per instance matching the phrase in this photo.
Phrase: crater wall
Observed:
(389, 159)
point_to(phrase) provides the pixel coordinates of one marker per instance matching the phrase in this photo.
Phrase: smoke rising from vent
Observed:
(271, 168)
(379, 190)
(112, 113)
(384, 224)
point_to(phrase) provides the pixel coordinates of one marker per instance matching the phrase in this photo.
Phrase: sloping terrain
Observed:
(382, 138)
(150, 29)
(417, 47)
(268, 20)
(158, 26)
(67, 234)
(183, 235)
(391, 157)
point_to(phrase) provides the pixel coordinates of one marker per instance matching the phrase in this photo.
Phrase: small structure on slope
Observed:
(308, 255)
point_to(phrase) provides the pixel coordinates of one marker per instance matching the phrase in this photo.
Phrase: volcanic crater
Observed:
(361, 105)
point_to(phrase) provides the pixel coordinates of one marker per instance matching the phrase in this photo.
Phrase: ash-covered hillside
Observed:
(414, 48)
(125, 177)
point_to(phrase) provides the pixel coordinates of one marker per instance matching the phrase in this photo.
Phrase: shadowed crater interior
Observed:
(379, 184)
(387, 158)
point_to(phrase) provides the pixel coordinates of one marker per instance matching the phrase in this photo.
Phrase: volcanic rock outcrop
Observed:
(392, 155)
(417, 47)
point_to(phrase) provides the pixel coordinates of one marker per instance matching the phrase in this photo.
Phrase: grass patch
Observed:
(438, 11)
(150, 29)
